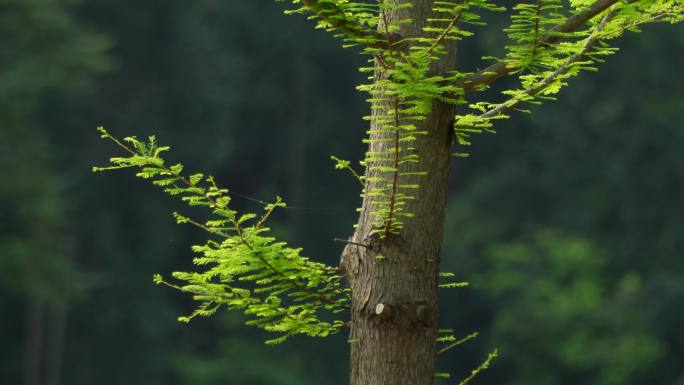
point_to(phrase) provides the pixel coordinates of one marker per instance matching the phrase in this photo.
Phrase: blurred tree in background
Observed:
(45, 54)
(569, 226)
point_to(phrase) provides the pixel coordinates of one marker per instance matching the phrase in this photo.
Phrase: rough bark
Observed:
(394, 298)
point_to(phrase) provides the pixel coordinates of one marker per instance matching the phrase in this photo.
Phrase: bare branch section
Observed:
(495, 71)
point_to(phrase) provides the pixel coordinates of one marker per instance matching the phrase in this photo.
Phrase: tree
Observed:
(421, 103)
(47, 53)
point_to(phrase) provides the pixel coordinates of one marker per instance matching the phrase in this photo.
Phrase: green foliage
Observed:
(545, 56)
(551, 280)
(46, 52)
(36, 32)
(483, 366)
(546, 50)
(529, 23)
(246, 269)
(620, 194)
(444, 275)
(406, 90)
(341, 164)
(446, 336)
(402, 97)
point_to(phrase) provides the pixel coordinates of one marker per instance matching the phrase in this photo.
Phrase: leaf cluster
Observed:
(242, 267)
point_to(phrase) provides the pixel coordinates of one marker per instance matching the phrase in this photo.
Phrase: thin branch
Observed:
(195, 292)
(350, 242)
(240, 232)
(385, 24)
(273, 268)
(224, 296)
(457, 343)
(233, 193)
(448, 28)
(483, 366)
(388, 38)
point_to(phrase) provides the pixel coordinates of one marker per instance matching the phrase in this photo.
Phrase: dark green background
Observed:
(569, 223)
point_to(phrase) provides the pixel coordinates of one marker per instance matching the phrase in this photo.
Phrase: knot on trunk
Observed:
(383, 311)
(405, 314)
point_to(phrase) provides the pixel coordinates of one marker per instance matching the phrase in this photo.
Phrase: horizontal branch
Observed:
(499, 69)
(350, 242)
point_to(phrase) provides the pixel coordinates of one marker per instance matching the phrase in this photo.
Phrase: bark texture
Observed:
(394, 298)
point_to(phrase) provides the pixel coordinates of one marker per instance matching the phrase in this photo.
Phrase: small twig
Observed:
(448, 28)
(483, 366)
(459, 342)
(350, 242)
(385, 24)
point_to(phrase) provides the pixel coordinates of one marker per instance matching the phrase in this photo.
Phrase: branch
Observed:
(458, 342)
(498, 70)
(214, 204)
(565, 67)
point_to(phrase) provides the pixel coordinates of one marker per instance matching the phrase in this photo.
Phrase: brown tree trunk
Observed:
(394, 297)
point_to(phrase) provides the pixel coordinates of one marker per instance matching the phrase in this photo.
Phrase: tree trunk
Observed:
(394, 297)
(54, 352)
(34, 342)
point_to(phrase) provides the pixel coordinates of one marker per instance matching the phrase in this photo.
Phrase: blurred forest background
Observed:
(569, 223)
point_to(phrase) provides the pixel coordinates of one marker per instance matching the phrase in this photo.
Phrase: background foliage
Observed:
(566, 224)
